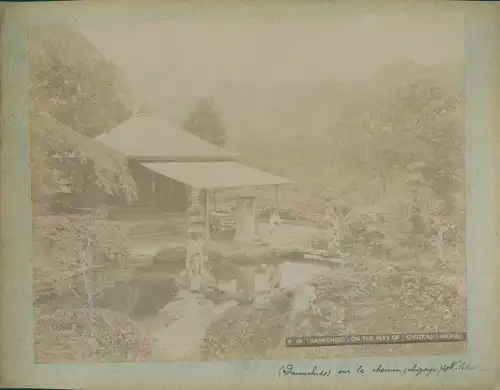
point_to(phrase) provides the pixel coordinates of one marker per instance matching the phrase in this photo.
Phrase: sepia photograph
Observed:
(204, 189)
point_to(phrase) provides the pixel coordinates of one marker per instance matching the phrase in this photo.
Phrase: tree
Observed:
(76, 94)
(420, 119)
(205, 123)
(59, 153)
(88, 257)
(75, 83)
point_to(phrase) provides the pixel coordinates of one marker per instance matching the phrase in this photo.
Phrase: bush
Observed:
(243, 332)
(68, 336)
(82, 257)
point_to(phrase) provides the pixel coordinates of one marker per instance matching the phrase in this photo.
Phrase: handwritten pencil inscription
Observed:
(415, 369)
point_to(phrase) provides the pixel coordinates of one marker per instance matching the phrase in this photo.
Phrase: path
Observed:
(181, 340)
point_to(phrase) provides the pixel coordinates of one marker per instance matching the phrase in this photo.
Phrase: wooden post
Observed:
(171, 199)
(207, 217)
(152, 201)
(277, 196)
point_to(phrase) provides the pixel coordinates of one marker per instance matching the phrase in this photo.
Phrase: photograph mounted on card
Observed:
(234, 196)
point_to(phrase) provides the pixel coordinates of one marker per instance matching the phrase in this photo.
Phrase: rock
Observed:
(229, 288)
(220, 309)
(302, 300)
(294, 275)
(187, 302)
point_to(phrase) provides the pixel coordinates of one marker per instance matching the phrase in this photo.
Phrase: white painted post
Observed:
(245, 219)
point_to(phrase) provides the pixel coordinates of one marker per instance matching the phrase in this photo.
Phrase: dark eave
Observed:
(150, 159)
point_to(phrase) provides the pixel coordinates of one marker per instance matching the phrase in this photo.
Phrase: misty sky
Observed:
(162, 57)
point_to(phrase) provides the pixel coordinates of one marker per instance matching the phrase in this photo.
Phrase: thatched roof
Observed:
(221, 174)
(147, 137)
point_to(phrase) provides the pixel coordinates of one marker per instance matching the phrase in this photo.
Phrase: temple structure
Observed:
(167, 162)
(176, 171)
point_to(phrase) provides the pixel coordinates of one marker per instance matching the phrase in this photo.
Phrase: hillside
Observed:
(75, 95)
(275, 112)
(73, 88)
(283, 111)
(74, 82)
(404, 115)
(356, 137)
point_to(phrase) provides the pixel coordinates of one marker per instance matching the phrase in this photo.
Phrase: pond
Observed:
(153, 287)
(292, 276)
(158, 301)
(177, 319)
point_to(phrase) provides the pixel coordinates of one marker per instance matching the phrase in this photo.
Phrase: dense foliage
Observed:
(402, 138)
(394, 159)
(78, 260)
(60, 155)
(389, 283)
(66, 336)
(76, 95)
(74, 82)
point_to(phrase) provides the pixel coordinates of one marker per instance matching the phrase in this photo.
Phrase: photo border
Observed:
(482, 179)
